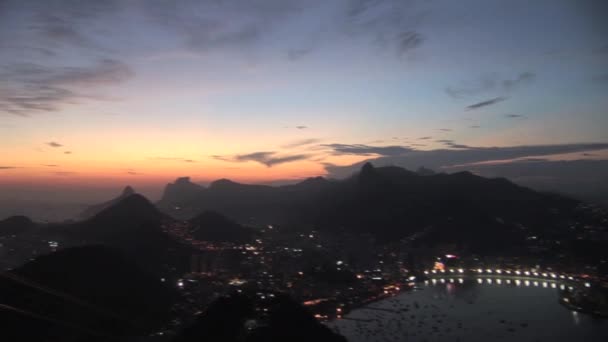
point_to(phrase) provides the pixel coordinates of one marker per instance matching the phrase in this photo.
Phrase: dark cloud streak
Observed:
(485, 103)
(54, 144)
(268, 158)
(366, 150)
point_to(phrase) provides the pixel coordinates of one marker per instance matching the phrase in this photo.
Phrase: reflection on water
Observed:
(476, 309)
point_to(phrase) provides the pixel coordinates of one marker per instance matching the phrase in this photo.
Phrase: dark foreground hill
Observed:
(134, 226)
(283, 320)
(82, 294)
(15, 225)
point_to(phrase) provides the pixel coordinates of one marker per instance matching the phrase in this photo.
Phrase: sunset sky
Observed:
(108, 93)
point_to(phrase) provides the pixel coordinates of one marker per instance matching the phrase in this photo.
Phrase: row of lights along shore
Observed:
(498, 271)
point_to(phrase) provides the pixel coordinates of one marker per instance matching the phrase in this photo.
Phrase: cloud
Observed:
(451, 144)
(299, 143)
(522, 79)
(474, 126)
(514, 116)
(425, 138)
(60, 30)
(33, 88)
(50, 165)
(445, 158)
(454, 145)
(285, 159)
(134, 173)
(268, 158)
(445, 129)
(295, 54)
(584, 178)
(67, 152)
(485, 103)
(54, 144)
(301, 127)
(389, 24)
(471, 88)
(366, 150)
(488, 83)
(185, 160)
(8, 167)
(407, 41)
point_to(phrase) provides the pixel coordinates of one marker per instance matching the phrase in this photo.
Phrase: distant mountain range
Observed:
(387, 202)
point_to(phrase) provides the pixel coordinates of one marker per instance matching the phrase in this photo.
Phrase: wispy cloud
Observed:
(522, 79)
(295, 54)
(179, 159)
(268, 158)
(407, 41)
(33, 88)
(8, 167)
(451, 144)
(454, 145)
(367, 150)
(514, 116)
(457, 155)
(67, 152)
(485, 103)
(390, 24)
(490, 83)
(54, 144)
(303, 142)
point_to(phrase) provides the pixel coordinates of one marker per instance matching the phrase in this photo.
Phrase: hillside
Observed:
(86, 293)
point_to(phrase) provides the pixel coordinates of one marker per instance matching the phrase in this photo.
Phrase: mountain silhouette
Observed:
(247, 203)
(15, 225)
(87, 293)
(95, 209)
(392, 203)
(133, 225)
(423, 171)
(181, 191)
